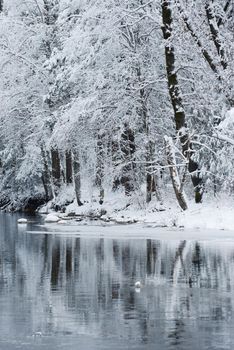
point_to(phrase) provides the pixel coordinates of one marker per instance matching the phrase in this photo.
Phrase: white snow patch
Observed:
(228, 121)
(22, 221)
(62, 222)
(51, 218)
(208, 216)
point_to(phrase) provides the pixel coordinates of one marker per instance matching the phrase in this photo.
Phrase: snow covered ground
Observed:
(216, 214)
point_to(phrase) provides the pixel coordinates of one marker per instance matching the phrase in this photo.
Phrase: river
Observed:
(61, 291)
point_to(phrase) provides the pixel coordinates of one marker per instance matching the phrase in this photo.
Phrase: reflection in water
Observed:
(80, 292)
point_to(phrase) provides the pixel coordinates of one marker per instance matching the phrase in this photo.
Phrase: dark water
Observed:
(59, 292)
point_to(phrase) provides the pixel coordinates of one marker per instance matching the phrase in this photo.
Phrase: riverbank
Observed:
(212, 214)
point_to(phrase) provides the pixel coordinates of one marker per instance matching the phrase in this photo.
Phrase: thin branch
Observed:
(140, 7)
(220, 21)
(40, 11)
(215, 34)
(23, 59)
(204, 52)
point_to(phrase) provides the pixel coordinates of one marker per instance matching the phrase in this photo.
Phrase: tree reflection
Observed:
(63, 285)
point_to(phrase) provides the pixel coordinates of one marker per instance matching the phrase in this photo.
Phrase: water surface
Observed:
(77, 292)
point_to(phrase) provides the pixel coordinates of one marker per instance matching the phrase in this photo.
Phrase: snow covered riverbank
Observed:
(215, 215)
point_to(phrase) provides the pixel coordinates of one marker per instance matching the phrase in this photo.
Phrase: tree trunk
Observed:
(156, 184)
(149, 188)
(77, 180)
(128, 149)
(100, 167)
(68, 167)
(152, 187)
(115, 155)
(152, 179)
(56, 169)
(150, 183)
(177, 185)
(150, 147)
(176, 100)
(46, 179)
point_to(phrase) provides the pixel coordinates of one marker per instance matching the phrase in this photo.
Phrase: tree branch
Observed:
(215, 34)
(204, 52)
(220, 21)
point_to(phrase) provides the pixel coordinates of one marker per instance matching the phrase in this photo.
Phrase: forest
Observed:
(118, 102)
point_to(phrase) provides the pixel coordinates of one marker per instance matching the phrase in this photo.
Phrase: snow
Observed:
(228, 121)
(220, 217)
(62, 222)
(22, 221)
(65, 195)
(51, 218)
(138, 284)
(214, 215)
(226, 127)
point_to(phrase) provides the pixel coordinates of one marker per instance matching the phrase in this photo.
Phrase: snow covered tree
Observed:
(92, 89)
(176, 100)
